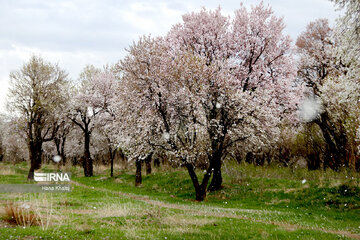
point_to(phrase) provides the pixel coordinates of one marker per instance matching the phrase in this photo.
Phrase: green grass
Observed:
(255, 203)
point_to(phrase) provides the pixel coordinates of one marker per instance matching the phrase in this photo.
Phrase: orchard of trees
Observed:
(213, 89)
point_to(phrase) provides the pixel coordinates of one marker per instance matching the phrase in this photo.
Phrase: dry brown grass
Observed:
(67, 167)
(31, 212)
(7, 170)
(181, 220)
(21, 214)
(177, 223)
(100, 169)
(118, 210)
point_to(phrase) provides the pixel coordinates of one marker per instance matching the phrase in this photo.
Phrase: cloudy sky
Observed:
(79, 32)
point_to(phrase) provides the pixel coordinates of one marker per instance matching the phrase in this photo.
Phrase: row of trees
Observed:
(213, 88)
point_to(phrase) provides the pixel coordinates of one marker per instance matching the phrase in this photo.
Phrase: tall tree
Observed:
(328, 73)
(347, 33)
(253, 53)
(316, 62)
(34, 95)
(89, 106)
(64, 128)
(109, 131)
(209, 84)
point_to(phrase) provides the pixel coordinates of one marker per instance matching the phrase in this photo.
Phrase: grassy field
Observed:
(255, 203)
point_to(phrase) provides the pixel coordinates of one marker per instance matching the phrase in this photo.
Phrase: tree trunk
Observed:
(335, 155)
(112, 167)
(200, 193)
(74, 161)
(260, 159)
(123, 158)
(60, 149)
(157, 162)
(63, 155)
(57, 144)
(88, 162)
(35, 158)
(31, 172)
(249, 158)
(216, 181)
(138, 179)
(148, 163)
(238, 157)
(313, 161)
(268, 158)
(200, 189)
(35, 147)
(112, 154)
(331, 153)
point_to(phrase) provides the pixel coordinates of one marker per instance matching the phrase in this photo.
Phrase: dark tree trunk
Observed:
(156, 162)
(164, 160)
(313, 161)
(138, 179)
(35, 164)
(238, 158)
(123, 158)
(62, 153)
(88, 162)
(60, 148)
(260, 160)
(336, 141)
(331, 153)
(268, 158)
(200, 193)
(216, 182)
(57, 144)
(35, 158)
(74, 161)
(112, 153)
(35, 147)
(200, 189)
(215, 162)
(31, 172)
(148, 163)
(249, 157)
(112, 167)
(217, 177)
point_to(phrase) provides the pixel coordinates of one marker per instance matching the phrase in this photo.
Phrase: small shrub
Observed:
(35, 212)
(21, 214)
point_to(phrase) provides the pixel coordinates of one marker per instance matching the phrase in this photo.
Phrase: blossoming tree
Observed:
(209, 83)
(89, 106)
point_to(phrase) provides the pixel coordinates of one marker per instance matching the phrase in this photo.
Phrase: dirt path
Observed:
(221, 212)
